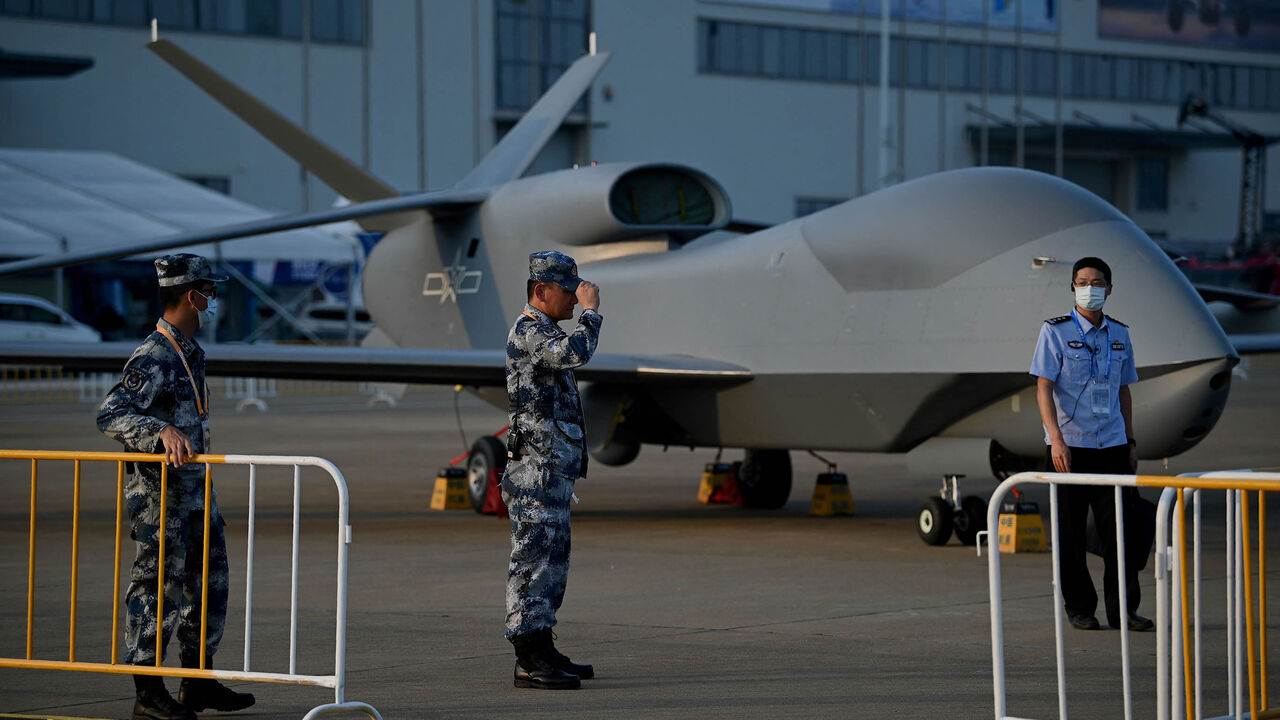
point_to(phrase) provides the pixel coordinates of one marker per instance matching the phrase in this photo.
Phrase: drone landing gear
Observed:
(948, 512)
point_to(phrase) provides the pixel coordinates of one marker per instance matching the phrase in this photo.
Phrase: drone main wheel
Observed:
(487, 454)
(971, 519)
(934, 521)
(764, 478)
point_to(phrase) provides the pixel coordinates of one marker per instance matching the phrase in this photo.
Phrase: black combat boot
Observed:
(206, 693)
(154, 701)
(562, 662)
(534, 666)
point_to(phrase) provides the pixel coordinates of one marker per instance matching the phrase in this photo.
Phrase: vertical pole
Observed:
(942, 87)
(115, 571)
(204, 576)
(1057, 601)
(75, 559)
(1175, 651)
(163, 531)
(1199, 634)
(1186, 602)
(303, 175)
(248, 565)
(344, 537)
(1020, 133)
(1238, 599)
(293, 588)
(1057, 89)
(1246, 532)
(1231, 603)
(1262, 594)
(859, 139)
(886, 141)
(420, 90)
(1163, 584)
(996, 602)
(31, 563)
(1124, 599)
(984, 138)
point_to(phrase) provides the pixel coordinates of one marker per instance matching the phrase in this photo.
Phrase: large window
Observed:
(814, 55)
(338, 21)
(1153, 183)
(538, 39)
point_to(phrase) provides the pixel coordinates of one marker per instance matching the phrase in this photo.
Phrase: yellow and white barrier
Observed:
(335, 680)
(1176, 690)
(1246, 652)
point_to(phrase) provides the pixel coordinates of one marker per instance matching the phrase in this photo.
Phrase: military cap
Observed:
(554, 267)
(184, 268)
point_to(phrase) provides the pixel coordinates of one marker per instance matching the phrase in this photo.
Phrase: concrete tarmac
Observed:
(686, 610)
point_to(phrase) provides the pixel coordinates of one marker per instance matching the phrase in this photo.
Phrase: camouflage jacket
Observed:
(546, 412)
(154, 392)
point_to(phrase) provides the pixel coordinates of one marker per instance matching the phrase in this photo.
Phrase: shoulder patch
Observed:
(134, 379)
(1116, 321)
(1059, 319)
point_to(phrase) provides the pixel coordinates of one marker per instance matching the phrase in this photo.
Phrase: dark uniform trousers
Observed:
(184, 569)
(1074, 504)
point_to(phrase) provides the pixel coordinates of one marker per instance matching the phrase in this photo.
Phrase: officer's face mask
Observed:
(209, 315)
(1090, 298)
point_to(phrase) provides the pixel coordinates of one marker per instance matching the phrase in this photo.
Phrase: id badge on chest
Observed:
(1101, 398)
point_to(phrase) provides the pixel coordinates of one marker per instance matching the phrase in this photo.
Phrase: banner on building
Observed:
(1226, 24)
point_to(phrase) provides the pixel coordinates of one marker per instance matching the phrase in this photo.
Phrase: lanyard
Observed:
(203, 409)
(1094, 351)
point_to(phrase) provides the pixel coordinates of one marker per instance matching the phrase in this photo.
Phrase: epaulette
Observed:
(1116, 321)
(1059, 319)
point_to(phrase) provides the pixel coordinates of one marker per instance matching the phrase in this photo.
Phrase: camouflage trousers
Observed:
(537, 575)
(184, 565)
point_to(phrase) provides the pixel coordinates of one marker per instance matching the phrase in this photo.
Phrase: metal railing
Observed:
(1246, 626)
(1178, 569)
(336, 680)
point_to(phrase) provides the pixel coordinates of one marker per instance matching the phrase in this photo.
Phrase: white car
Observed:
(25, 318)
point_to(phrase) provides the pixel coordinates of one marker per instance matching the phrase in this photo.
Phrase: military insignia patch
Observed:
(1075, 344)
(134, 379)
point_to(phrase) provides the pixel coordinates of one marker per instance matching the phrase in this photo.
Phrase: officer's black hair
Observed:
(1090, 262)
(529, 286)
(171, 295)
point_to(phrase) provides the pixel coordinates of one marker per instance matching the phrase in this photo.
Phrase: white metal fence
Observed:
(1180, 627)
(335, 680)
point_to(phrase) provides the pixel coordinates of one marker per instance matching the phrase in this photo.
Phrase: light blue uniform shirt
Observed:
(1074, 364)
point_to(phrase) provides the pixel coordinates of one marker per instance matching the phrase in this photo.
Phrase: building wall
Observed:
(771, 142)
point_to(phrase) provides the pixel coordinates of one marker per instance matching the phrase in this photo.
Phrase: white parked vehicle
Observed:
(26, 318)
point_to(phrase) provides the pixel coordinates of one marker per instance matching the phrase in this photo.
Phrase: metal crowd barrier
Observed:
(336, 680)
(1167, 564)
(43, 383)
(1180, 635)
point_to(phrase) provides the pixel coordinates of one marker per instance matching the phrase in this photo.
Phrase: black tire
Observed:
(486, 454)
(934, 521)
(764, 479)
(971, 519)
(1174, 15)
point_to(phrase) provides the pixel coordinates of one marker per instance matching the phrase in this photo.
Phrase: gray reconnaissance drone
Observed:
(898, 322)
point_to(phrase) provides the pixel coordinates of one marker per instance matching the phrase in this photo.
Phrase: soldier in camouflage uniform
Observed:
(161, 404)
(547, 454)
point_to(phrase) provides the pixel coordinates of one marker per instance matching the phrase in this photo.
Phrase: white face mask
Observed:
(1091, 298)
(208, 316)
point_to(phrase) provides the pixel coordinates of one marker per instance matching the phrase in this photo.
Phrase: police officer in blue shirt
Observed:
(1084, 365)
